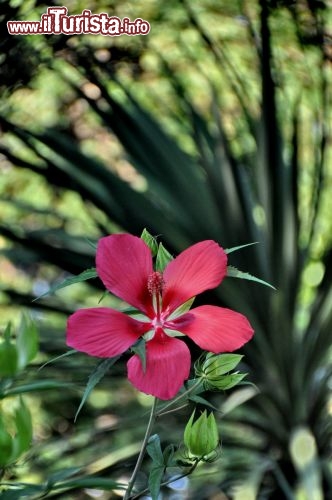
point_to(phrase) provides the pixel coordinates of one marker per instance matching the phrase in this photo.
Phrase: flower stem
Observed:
(179, 398)
(169, 481)
(143, 449)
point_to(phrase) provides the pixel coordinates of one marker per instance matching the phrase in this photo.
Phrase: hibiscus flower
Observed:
(125, 266)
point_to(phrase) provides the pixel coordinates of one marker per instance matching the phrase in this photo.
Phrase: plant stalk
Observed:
(143, 449)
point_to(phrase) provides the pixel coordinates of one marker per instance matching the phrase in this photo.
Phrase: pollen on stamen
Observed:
(156, 283)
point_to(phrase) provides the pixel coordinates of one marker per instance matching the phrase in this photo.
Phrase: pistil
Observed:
(156, 284)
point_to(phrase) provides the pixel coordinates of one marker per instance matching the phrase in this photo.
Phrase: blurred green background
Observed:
(216, 125)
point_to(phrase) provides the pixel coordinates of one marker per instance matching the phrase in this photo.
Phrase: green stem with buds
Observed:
(182, 396)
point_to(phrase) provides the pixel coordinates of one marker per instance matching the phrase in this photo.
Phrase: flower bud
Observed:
(201, 437)
(214, 371)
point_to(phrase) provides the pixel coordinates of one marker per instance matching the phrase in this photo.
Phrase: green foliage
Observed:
(83, 276)
(15, 354)
(219, 128)
(232, 272)
(158, 466)
(95, 377)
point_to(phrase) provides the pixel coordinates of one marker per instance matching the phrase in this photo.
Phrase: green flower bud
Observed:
(214, 371)
(201, 437)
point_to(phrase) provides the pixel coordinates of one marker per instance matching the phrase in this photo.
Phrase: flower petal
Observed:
(103, 332)
(215, 329)
(124, 263)
(167, 367)
(198, 268)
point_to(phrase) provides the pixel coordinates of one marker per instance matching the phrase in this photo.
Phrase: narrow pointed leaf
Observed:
(232, 272)
(84, 276)
(53, 360)
(94, 378)
(235, 249)
(203, 401)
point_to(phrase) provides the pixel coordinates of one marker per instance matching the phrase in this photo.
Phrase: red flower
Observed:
(124, 264)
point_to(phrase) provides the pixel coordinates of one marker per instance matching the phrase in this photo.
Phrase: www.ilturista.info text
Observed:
(57, 21)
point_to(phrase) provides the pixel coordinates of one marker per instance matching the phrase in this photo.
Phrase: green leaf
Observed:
(168, 455)
(26, 342)
(202, 401)
(95, 377)
(8, 358)
(154, 450)
(41, 385)
(155, 478)
(8, 332)
(84, 276)
(62, 475)
(140, 349)
(163, 258)
(235, 249)
(232, 272)
(6, 445)
(25, 492)
(157, 471)
(89, 482)
(53, 360)
(150, 241)
(22, 439)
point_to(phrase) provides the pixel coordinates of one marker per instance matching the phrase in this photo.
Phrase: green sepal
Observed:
(104, 294)
(163, 258)
(233, 272)
(225, 382)
(182, 309)
(215, 365)
(215, 370)
(88, 274)
(201, 437)
(150, 241)
(95, 377)
(140, 349)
